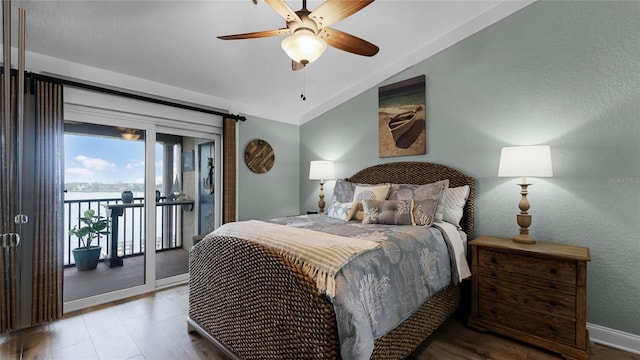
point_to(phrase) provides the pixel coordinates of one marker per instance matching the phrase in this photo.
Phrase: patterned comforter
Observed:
(380, 288)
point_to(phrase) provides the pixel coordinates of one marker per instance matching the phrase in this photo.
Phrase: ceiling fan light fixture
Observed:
(130, 135)
(304, 46)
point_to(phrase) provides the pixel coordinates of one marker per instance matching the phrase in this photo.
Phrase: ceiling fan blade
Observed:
(347, 42)
(284, 10)
(332, 11)
(257, 34)
(295, 66)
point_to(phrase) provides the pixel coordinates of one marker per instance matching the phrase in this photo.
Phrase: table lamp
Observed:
(321, 170)
(524, 161)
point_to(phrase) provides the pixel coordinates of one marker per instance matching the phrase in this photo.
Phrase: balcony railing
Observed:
(131, 226)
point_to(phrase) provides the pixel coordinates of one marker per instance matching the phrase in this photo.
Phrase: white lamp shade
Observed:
(524, 161)
(321, 170)
(303, 46)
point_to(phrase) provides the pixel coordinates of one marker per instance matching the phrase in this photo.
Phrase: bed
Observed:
(253, 303)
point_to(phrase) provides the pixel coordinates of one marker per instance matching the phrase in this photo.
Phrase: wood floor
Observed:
(153, 327)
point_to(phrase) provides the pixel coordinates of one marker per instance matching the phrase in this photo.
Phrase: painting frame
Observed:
(402, 107)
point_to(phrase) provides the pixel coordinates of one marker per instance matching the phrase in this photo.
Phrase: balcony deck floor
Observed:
(81, 284)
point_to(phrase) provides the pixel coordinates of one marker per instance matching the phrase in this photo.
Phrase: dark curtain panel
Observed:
(8, 209)
(48, 215)
(229, 170)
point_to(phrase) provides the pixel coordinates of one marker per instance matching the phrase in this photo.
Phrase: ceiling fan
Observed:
(310, 32)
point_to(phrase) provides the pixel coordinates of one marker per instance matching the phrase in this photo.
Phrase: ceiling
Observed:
(174, 43)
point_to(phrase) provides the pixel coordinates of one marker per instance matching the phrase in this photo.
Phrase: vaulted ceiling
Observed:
(174, 43)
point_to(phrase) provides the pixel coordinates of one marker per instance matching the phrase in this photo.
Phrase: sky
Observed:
(106, 160)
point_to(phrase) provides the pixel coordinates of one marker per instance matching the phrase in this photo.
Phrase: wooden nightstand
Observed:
(534, 293)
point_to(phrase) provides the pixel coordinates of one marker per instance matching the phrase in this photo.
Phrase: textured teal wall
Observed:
(562, 73)
(274, 193)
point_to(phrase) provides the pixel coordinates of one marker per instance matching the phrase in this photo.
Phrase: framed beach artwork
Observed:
(402, 118)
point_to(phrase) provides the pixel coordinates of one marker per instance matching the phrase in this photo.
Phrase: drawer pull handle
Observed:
(554, 270)
(493, 288)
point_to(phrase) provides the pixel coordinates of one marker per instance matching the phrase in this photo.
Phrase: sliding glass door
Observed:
(104, 183)
(185, 180)
(154, 185)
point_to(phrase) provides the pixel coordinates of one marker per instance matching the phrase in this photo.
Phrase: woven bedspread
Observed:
(321, 255)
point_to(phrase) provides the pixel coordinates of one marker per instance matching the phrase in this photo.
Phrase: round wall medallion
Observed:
(259, 156)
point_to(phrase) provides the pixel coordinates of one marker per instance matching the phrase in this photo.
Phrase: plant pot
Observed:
(127, 197)
(87, 258)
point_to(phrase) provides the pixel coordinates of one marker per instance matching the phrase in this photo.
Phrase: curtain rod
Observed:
(132, 95)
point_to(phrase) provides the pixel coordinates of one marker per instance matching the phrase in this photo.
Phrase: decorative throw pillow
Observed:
(424, 211)
(453, 204)
(343, 191)
(419, 194)
(368, 192)
(341, 210)
(390, 212)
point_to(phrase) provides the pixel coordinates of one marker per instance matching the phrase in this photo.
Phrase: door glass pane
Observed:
(104, 190)
(206, 187)
(176, 176)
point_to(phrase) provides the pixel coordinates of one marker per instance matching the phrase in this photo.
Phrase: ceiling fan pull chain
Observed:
(302, 90)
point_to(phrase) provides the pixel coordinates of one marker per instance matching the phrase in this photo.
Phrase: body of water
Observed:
(131, 226)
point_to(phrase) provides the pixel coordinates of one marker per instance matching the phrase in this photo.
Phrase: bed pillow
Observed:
(420, 194)
(453, 204)
(439, 216)
(389, 212)
(417, 192)
(341, 210)
(343, 191)
(368, 192)
(424, 211)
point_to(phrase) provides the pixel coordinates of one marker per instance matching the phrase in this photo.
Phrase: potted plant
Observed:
(87, 256)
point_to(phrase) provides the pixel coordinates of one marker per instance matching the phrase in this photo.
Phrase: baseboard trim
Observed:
(614, 338)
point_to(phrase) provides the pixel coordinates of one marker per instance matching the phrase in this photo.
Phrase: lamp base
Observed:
(524, 239)
(524, 218)
(321, 202)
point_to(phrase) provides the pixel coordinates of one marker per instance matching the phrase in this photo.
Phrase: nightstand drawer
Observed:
(533, 298)
(549, 284)
(563, 271)
(542, 325)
